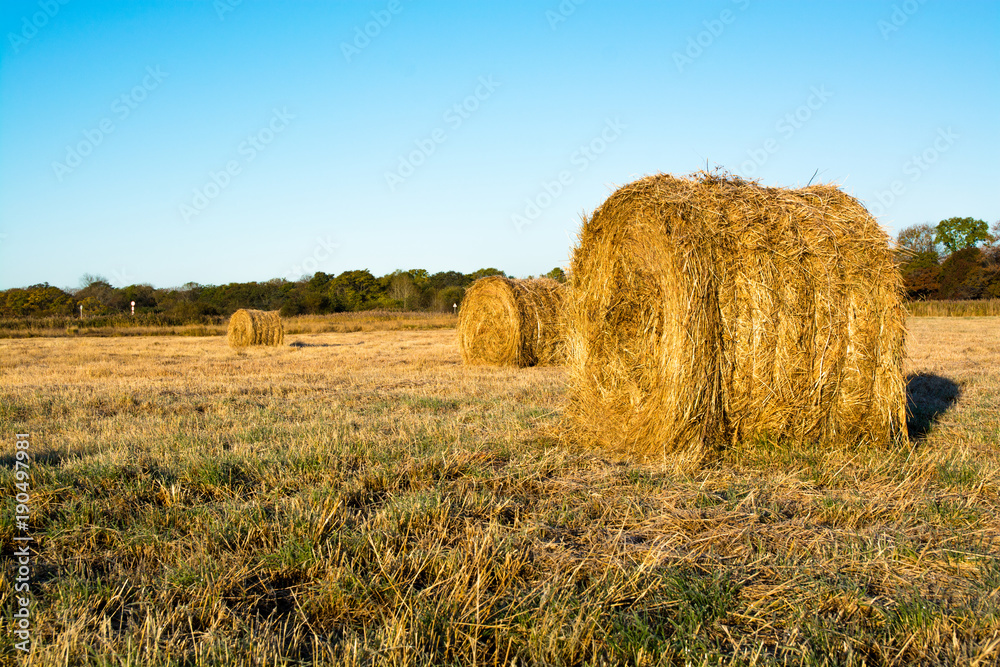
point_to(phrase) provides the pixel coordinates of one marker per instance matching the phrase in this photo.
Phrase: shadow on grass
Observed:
(49, 458)
(299, 343)
(928, 396)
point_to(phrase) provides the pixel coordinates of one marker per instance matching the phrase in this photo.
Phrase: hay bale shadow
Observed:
(928, 396)
(299, 343)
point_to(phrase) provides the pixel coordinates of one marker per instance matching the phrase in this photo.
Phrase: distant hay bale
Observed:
(255, 327)
(509, 322)
(710, 310)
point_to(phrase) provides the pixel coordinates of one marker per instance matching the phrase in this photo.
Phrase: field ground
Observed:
(365, 499)
(123, 325)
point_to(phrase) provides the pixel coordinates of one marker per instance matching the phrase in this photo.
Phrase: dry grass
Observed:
(711, 310)
(511, 322)
(366, 499)
(980, 308)
(372, 320)
(148, 326)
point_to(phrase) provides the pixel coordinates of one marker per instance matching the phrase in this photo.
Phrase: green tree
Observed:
(557, 274)
(446, 299)
(959, 233)
(444, 279)
(98, 296)
(354, 290)
(482, 273)
(402, 288)
(419, 277)
(143, 295)
(36, 301)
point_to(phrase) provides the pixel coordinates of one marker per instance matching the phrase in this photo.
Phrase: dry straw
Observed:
(508, 322)
(709, 310)
(255, 327)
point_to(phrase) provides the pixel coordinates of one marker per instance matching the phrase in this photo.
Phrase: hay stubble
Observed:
(199, 507)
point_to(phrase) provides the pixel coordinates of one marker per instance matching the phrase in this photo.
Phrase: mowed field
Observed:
(365, 499)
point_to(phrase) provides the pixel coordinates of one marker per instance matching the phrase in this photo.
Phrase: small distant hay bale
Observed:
(255, 327)
(710, 310)
(510, 322)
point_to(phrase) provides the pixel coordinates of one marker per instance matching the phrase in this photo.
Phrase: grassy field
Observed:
(362, 498)
(154, 325)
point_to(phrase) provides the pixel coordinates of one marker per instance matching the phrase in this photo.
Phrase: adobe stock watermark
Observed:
(223, 7)
(581, 158)
(21, 622)
(914, 169)
(703, 40)
(786, 127)
(454, 117)
(248, 150)
(30, 25)
(901, 13)
(363, 35)
(322, 252)
(121, 278)
(563, 11)
(122, 107)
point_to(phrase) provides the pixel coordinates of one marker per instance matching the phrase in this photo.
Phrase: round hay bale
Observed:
(255, 327)
(509, 322)
(708, 310)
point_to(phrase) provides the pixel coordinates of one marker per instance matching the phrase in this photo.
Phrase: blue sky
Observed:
(167, 142)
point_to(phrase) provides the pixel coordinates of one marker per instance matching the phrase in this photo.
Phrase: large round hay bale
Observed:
(510, 322)
(255, 327)
(708, 310)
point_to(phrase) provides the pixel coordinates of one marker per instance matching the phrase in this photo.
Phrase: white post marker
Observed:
(81, 311)
(454, 308)
(133, 309)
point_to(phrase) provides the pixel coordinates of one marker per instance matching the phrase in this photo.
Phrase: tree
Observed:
(88, 279)
(444, 279)
(482, 273)
(98, 295)
(917, 239)
(962, 275)
(36, 301)
(448, 298)
(556, 274)
(959, 233)
(419, 276)
(92, 306)
(354, 290)
(319, 281)
(401, 288)
(922, 283)
(992, 251)
(143, 295)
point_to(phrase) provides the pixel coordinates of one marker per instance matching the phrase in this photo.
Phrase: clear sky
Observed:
(167, 142)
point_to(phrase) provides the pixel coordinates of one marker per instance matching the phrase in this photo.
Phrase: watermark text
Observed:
(22, 513)
(248, 150)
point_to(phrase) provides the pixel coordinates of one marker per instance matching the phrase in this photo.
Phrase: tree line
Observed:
(957, 259)
(320, 293)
